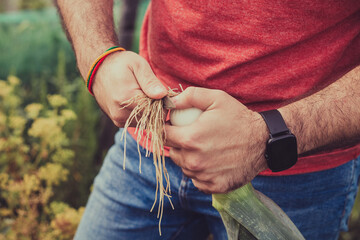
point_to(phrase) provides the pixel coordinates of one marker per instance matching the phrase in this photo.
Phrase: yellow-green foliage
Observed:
(34, 157)
(34, 4)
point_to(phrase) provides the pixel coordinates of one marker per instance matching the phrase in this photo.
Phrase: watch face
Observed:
(281, 152)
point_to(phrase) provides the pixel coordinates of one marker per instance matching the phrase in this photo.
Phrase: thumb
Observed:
(147, 80)
(201, 98)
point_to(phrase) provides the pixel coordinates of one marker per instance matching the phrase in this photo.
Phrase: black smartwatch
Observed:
(281, 148)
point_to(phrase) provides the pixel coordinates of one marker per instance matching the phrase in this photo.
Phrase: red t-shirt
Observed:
(265, 53)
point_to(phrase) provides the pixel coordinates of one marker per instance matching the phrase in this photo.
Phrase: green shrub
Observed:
(34, 157)
(36, 49)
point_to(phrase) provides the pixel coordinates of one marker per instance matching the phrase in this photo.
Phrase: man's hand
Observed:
(90, 28)
(121, 76)
(224, 148)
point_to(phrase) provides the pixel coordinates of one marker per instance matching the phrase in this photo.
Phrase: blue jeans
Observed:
(119, 207)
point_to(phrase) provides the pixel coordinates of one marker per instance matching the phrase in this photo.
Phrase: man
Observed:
(243, 57)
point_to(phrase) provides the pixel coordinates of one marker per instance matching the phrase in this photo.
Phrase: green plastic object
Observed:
(249, 214)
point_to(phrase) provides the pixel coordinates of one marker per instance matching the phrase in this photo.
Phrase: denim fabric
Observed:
(119, 206)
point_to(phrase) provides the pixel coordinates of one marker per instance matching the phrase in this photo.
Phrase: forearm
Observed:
(329, 118)
(90, 28)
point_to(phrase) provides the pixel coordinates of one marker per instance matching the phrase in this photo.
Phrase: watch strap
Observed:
(274, 122)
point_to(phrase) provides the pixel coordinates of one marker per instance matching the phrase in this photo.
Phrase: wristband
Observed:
(95, 66)
(281, 148)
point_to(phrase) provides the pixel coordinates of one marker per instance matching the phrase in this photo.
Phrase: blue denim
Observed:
(119, 207)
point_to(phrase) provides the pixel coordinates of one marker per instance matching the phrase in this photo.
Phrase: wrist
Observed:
(97, 64)
(86, 56)
(261, 135)
(294, 124)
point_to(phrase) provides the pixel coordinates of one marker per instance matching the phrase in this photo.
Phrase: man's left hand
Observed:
(224, 148)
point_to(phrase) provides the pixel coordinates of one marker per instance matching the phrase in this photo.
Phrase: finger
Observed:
(189, 164)
(209, 187)
(196, 175)
(202, 186)
(122, 121)
(177, 157)
(176, 137)
(190, 174)
(147, 80)
(172, 138)
(197, 97)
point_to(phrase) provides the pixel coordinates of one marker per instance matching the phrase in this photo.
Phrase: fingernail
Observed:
(158, 89)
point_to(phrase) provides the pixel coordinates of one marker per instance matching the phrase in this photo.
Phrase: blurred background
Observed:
(53, 137)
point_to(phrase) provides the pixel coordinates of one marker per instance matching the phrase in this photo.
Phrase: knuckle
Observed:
(175, 157)
(193, 164)
(118, 124)
(117, 119)
(187, 142)
(114, 116)
(196, 184)
(218, 93)
(203, 177)
(220, 185)
(202, 187)
(191, 141)
(172, 154)
(190, 92)
(206, 178)
(226, 185)
(205, 189)
(217, 188)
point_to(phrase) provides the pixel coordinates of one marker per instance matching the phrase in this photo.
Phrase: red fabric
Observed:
(265, 53)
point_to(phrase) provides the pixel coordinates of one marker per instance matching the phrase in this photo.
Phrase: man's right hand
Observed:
(120, 77)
